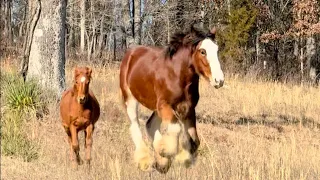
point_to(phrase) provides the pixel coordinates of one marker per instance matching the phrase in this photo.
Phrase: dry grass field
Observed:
(248, 130)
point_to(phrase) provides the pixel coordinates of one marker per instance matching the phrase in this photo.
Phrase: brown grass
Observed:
(248, 130)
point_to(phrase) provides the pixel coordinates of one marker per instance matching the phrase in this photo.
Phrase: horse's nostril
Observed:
(219, 83)
(82, 99)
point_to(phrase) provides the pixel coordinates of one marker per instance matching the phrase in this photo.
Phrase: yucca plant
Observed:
(21, 96)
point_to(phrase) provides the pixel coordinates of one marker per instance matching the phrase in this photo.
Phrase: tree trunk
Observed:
(310, 52)
(82, 24)
(47, 56)
(71, 37)
(22, 28)
(137, 21)
(301, 59)
(180, 15)
(34, 10)
(7, 23)
(101, 38)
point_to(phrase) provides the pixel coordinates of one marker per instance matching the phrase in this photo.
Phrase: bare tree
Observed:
(47, 56)
(82, 24)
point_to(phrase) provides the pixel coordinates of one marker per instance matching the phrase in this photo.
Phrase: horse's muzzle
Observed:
(217, 83)
(82, 99)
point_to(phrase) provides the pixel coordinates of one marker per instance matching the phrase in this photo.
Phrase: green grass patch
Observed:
(13, 139)
(21, 100)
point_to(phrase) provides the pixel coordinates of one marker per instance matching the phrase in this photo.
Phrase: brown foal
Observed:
(79, 110)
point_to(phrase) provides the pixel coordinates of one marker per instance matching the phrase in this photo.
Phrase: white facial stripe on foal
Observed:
(82, 79)
(212, 56)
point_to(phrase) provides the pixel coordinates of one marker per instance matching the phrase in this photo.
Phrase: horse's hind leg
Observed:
(142, 153)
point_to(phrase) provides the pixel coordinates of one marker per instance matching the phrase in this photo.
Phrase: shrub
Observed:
(20, 95)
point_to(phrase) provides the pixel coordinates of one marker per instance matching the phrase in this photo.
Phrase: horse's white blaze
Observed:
(212, 56)
(132, 111)
(82, 79)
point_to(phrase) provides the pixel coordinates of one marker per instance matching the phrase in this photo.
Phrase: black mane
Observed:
(189, 38)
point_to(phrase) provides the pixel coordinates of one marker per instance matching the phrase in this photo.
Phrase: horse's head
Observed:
(204, 52)
(82, 76)
(205, 59)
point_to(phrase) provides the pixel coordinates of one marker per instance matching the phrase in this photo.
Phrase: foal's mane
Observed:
(185, 39)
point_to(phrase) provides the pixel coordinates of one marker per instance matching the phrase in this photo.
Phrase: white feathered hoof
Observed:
(143, 159)
(184, 158)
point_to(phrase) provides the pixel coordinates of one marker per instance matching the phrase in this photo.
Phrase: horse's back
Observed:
(137, 74)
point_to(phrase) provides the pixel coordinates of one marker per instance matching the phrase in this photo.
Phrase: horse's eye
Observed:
(203, 52)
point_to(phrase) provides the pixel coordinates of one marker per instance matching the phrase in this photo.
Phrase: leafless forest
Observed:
(264, 123)
(276, 39)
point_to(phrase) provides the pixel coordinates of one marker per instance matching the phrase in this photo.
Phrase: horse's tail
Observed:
(124, 68)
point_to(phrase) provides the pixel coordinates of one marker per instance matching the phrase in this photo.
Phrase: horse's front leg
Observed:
(75, 144)
(162, 164)
(67, 130)
(189, 141)
(142, 154)
(88, 143)
(166, 141)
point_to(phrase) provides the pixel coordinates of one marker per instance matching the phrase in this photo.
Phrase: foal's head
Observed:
(204, 52)
(82, 76)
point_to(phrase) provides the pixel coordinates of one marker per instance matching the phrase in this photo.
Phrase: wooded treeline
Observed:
(276, 39)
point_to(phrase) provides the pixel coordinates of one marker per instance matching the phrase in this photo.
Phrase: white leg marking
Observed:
(157, 136)
(174, 128)
(132, 110)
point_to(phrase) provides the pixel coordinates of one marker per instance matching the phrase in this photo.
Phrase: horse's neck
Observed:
(182, 61)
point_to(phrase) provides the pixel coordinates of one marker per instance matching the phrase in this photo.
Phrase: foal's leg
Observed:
(166, 141)
(88, 143)
(75, 144)
(67, 130)
(189, 141)
(142, 153)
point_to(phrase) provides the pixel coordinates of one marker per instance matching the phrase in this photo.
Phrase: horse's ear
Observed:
(212, 33)
(76, 71)
(213, 30)
(89, 71)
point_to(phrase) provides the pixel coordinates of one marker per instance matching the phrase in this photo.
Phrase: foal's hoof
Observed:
(184, 158)
(79, 161)
(88, 166)
(167, 146)
(74, 165)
